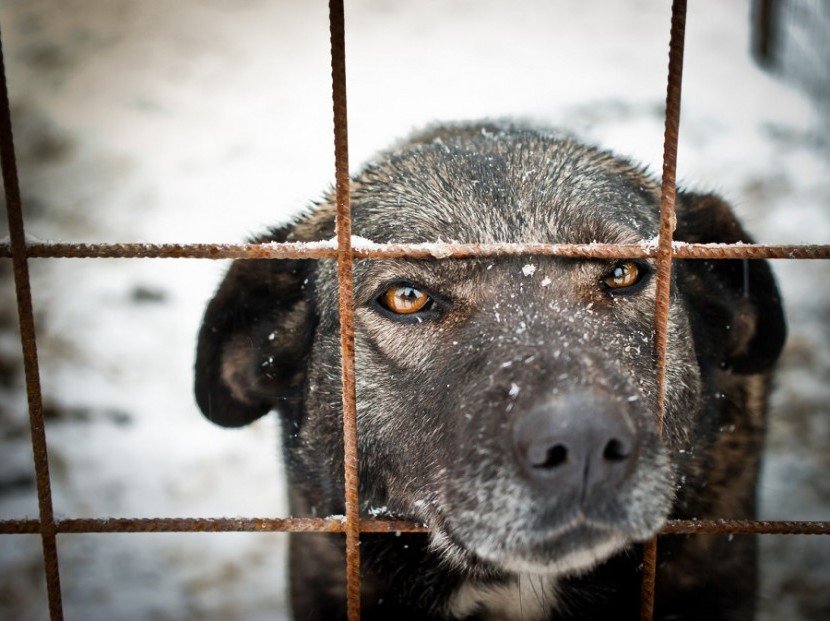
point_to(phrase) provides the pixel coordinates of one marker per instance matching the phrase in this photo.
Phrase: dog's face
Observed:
(509, 403)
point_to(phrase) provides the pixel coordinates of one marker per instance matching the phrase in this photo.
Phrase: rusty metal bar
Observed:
(328, 250)
(23, 292)
(750, 251)
(668, 218)
(345, 281)
(61, 250)
(648, 579)
(337, 524)
(334, 524)
(20, 527)
(668, 222)
(745, 527)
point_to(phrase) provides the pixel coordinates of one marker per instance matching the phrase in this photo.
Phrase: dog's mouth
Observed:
(572, 550)
(562, 521)
(486, 517)
(566, 549)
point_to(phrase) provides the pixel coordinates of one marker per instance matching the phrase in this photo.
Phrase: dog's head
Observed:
(509, 403)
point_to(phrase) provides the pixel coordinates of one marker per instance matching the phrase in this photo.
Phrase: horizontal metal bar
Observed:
(207, 525)
(745, 527)
(314, 250)
(371, 525)
(328, 250)
(749, 251)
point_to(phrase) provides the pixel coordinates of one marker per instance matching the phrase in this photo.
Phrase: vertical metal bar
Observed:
(668, 221)
(649, 576)
(20, 264)
(346, 303)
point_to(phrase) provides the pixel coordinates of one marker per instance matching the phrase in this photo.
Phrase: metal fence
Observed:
(19, 251)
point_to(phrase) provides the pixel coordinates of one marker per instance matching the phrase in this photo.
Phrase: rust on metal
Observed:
(332, 524)
(745, 527)
(328, 250)
(120, 250)
(750, 251)
(337, 524)
(668, 217)
(20, 527)
(23, 292)
(668, 221)
(648, 579)
(345, 280)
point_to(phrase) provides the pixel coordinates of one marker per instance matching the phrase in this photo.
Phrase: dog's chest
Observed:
(527, 597)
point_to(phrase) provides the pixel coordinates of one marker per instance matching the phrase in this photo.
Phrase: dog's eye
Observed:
(625, 274)
(405, 300)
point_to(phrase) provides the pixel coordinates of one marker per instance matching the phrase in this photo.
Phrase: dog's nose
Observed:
(582, 442)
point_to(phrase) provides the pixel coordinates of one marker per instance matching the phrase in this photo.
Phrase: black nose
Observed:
(582, 442)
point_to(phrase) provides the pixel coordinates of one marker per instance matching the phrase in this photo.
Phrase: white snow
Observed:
(324, 244)
(651, 244)
(379, 511)
(361, 243)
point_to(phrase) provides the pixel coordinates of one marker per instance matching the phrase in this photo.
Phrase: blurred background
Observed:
(207, 120)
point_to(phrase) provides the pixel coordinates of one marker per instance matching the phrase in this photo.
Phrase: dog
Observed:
(509, 403)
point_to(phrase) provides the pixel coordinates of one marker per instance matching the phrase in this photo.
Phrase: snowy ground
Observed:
(206, 120)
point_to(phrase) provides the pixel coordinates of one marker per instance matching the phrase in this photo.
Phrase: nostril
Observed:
(553, 457)
(615, 450)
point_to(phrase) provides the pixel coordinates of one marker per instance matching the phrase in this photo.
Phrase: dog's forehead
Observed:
(511, 186)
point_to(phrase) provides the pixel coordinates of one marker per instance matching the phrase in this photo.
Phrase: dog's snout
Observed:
(578, 443)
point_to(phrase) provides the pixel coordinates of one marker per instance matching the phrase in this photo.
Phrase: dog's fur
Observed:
(437, 397)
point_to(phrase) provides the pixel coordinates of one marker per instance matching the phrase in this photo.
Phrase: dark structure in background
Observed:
(792, 39)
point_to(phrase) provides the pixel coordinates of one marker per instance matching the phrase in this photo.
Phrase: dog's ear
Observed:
(255, 337)
(735, 303)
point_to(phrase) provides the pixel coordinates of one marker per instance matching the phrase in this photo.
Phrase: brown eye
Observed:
(623, 275)
(405, 300)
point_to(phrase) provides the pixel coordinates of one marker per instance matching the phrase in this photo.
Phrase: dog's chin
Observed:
(568, 551)
(573, 552)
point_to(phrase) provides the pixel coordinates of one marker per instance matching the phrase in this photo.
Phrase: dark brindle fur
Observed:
(513, 352)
